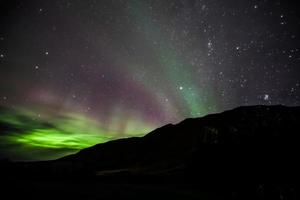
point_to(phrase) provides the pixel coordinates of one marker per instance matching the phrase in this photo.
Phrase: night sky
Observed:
(77, 73)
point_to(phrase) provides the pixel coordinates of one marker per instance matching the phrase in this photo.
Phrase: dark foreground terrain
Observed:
(245, 153)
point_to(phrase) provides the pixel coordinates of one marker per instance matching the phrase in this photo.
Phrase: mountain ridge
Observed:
(219, 135)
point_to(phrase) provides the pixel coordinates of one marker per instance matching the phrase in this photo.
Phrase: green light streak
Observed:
(196, 101)
(51, 138)
(69, 132)
(27, 135)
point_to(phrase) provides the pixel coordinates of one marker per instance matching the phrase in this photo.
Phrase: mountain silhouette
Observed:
(256, 138)
(241, 152)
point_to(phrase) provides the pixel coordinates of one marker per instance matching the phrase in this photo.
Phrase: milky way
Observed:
(77, 73)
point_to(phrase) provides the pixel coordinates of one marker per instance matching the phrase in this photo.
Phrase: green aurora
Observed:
(197, 101)
(25, 135)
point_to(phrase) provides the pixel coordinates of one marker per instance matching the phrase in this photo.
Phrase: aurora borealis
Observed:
(81, 72)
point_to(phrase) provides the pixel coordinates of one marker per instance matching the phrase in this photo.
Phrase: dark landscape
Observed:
(150, 99)
(245, 153)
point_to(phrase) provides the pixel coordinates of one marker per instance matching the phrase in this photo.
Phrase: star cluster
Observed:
(102, 70)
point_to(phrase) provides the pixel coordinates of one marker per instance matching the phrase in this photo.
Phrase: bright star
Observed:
(266, 97)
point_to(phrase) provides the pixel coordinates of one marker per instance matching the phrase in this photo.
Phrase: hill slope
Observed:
(258, 139)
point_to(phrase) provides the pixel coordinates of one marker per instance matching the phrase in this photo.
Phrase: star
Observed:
(180, 88)
(46, 53)
(266, 97)
(209, 44)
